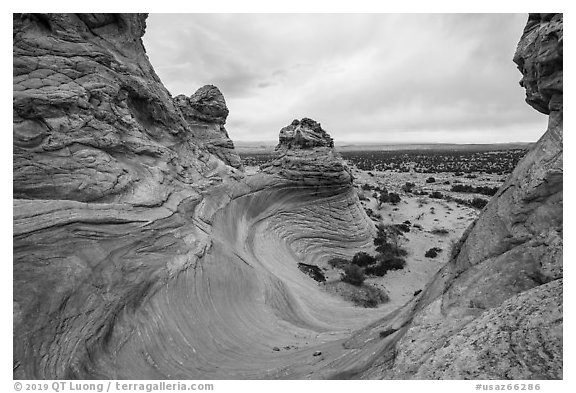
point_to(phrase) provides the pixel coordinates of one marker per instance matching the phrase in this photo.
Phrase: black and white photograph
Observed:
(287, 196)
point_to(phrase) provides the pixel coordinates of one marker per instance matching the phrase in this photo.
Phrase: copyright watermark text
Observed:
(110, 386)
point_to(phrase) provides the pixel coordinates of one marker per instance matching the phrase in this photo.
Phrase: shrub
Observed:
(386, 241)
(383, 197)
(408, 187)
(369, 297)
(313, 271)
(436, 195)
(462, 188)
(363, 259)
(353, 274)
(394, 198)
(484, 190)
(385, 264)
(430, 180)
(439, 231)
(362, 197)
(470, 189)
(433, 252)
(366, 187)
(447, 182)
(478, 203)
(403, 227)
(338, 263)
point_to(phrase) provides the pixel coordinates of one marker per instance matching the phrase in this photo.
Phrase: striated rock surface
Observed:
(206, 113)
(142, 251)
(306, 155)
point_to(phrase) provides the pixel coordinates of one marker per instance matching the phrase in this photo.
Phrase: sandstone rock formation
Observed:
(306, 155)
(206, 113)
(141, 250)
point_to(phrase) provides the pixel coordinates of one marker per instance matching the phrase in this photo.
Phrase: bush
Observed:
(338, 263)
(433, 252)
(385, 264)
(362, 197)
(353, 274)
(403, 227)
(436, 195)
(478, 203)
(439, 231)
(394, 198)
(447, 182)
(363, 259)
(383, 197)
(408, 187)
(366, 187)
(386, 241)
(430, 180)
(484, 190)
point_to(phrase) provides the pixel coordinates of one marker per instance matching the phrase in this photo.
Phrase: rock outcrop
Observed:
(306, 155)
(108, 185)
(206, 113)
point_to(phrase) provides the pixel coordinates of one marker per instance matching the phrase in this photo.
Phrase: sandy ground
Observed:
(426, 212)
(421, 210)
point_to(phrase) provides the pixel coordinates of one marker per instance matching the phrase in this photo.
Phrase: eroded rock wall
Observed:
(107, 177)
(141, 250)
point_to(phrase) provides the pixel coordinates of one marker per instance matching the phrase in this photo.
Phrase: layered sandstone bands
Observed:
(140, 249)
(206, 113)
(306, 156)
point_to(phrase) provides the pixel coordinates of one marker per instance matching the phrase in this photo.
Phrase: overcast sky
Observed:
(364, 77)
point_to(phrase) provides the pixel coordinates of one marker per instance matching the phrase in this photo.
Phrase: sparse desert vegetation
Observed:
(420, 202)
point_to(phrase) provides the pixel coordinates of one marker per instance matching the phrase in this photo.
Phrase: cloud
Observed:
(365, 77)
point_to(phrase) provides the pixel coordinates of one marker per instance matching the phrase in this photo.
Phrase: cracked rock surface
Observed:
(142, 250)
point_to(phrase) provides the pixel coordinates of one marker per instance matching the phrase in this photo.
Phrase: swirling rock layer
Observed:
(141, 251)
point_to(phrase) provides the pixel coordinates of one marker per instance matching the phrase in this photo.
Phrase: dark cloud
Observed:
(381, 77)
